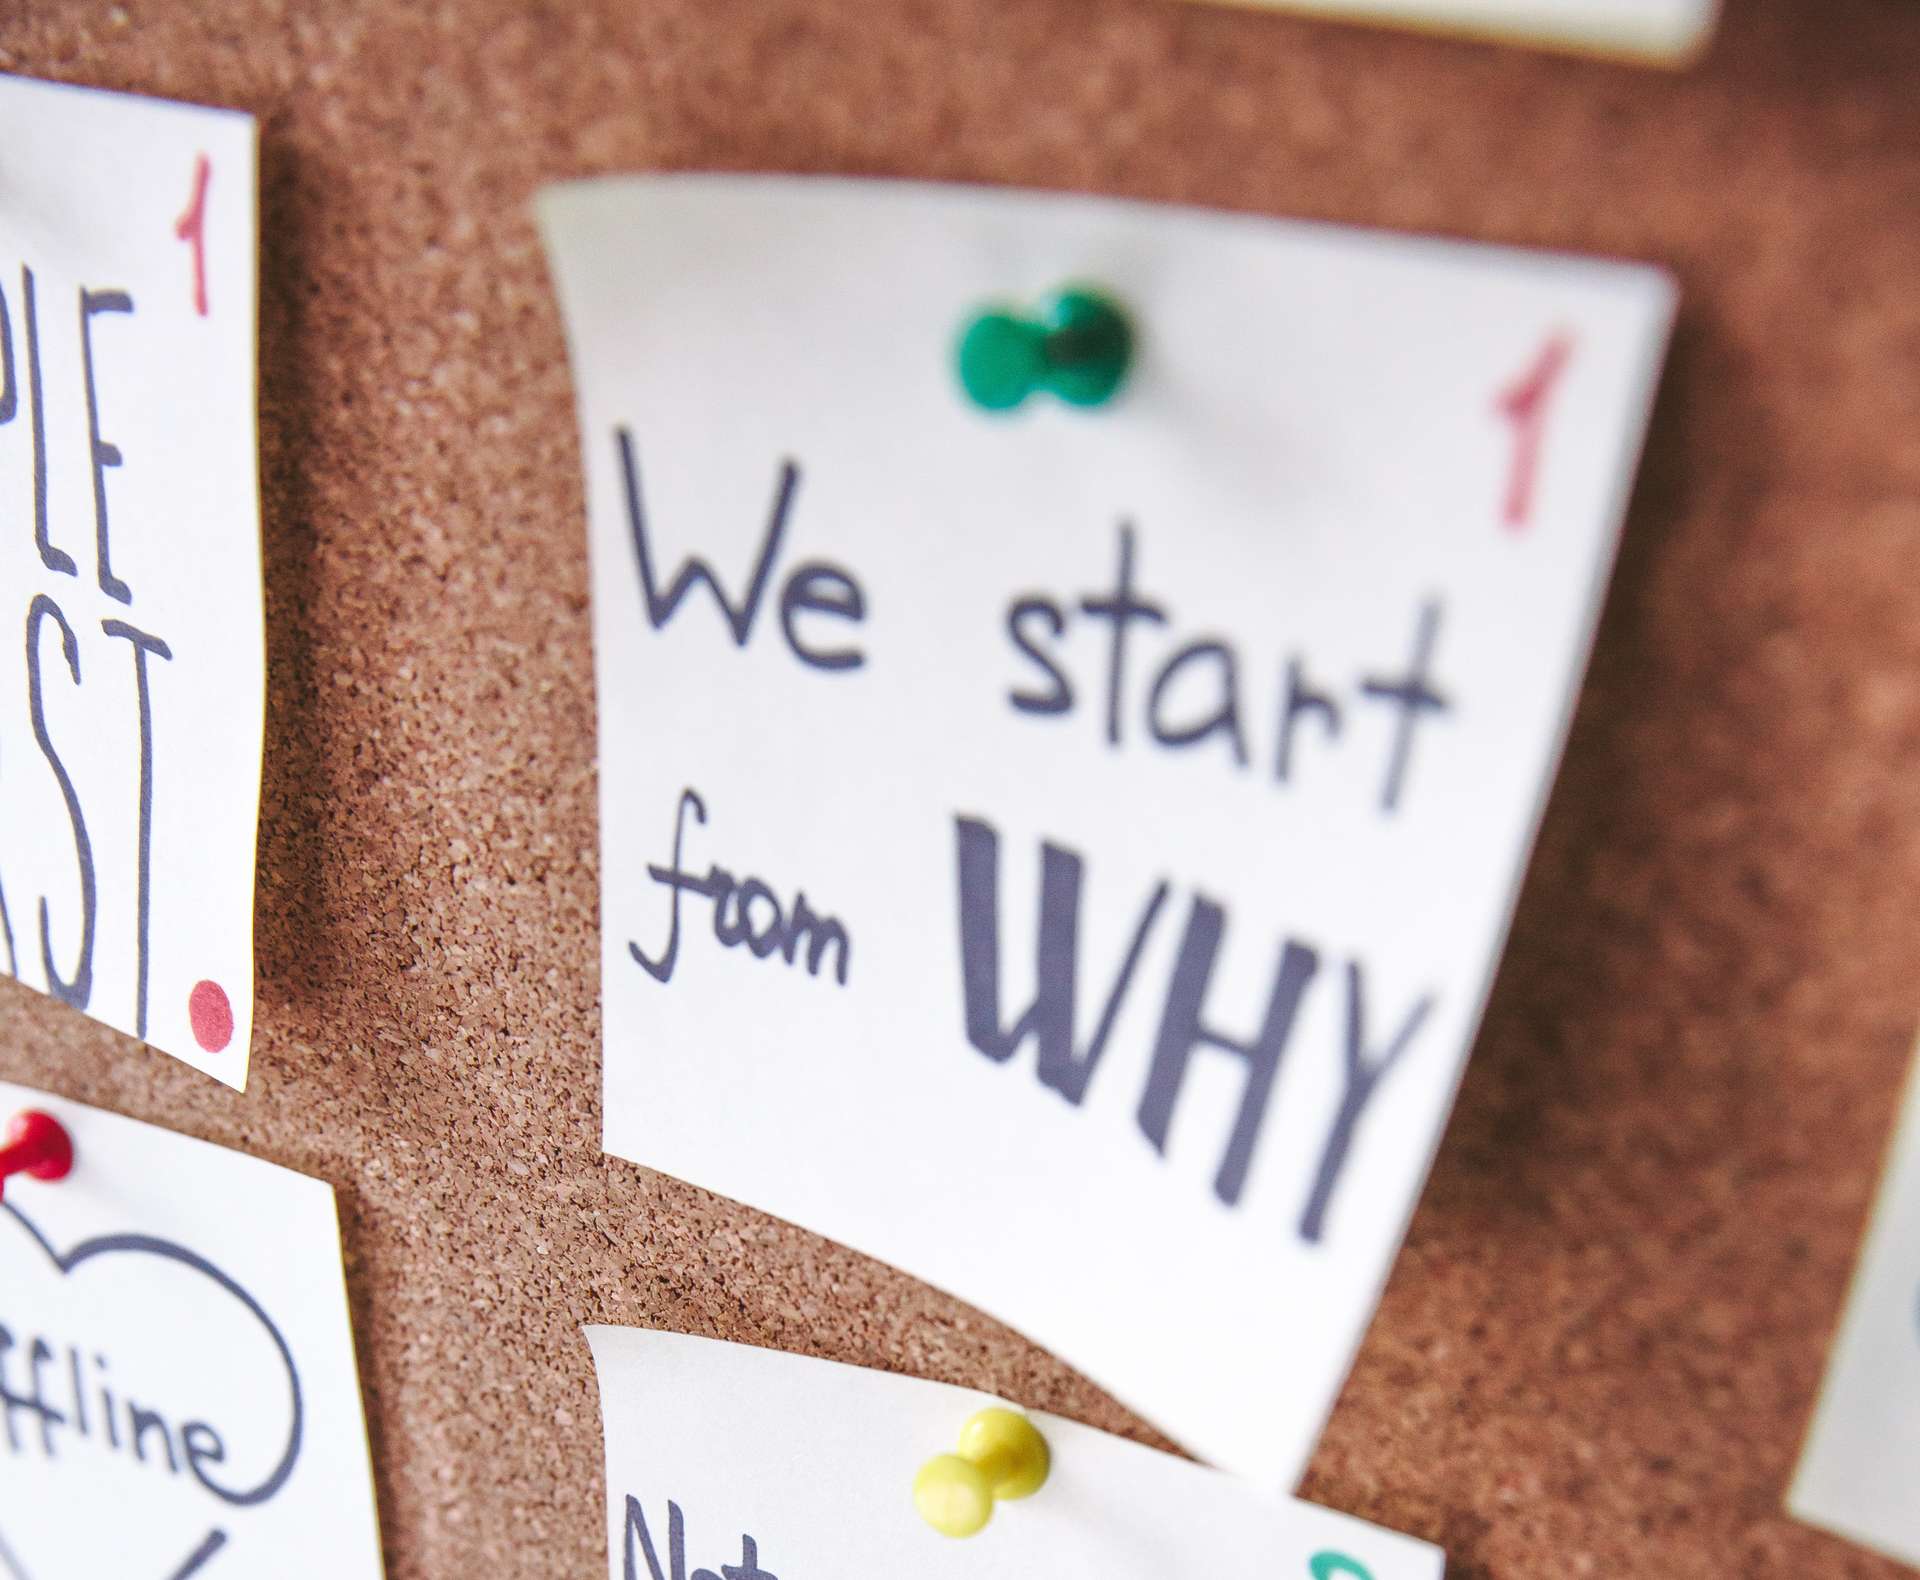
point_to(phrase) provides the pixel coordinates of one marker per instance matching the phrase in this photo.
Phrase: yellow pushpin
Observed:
(1002, 1455)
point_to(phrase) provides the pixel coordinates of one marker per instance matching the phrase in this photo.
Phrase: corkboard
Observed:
(1601, 1344)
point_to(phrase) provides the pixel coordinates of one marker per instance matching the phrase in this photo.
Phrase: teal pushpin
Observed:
(1078, 347)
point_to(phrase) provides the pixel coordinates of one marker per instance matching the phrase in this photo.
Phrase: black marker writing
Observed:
(815, 588)
(101, 453)
(54, 559)
(1183, 1026)
(143, 646)
(1363, 1073)
(1048, 1020)
(22, 384)
(676, 1566)
(201, 1556)
(1414, 695)
(756, 918)
(9, 383)
(80, 989)
(1182, 1030)
(1196, 693)
(56, 1394)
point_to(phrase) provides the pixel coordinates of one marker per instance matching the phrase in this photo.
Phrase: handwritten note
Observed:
(1064, 854)
(728, 1460)
(1655, 30)
(177, 1386)
(1860, 1471)
(133, 677)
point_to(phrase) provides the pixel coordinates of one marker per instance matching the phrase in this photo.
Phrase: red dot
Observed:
(212, 1016)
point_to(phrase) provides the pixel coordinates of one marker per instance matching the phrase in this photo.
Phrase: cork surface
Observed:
(1601, 1345)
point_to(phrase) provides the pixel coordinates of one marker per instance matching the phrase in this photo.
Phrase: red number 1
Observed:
(191, 227)
(1524, 403)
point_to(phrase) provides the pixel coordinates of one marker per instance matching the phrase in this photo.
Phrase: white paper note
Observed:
(177, 1383)
(1654, 30)
(132, 666)
(1860, 1471)
(1372, 483)
(769, 1465)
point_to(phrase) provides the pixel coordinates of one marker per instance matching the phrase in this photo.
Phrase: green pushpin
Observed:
(1078, 347)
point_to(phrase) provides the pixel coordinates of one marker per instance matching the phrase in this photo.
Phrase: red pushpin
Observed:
(36, 1145)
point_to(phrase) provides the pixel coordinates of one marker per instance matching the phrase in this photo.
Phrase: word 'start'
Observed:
(133, 679)
(1064, 853)
(176, 1366)
(1859, 1474)
(728, 1460)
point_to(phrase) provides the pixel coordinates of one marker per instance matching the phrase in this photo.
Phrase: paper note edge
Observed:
(127, 95)
(1658, 291)
(673, 1336)
(1904, 1129)
(1662, 298)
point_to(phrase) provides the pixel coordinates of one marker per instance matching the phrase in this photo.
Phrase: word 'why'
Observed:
(1068, 1069)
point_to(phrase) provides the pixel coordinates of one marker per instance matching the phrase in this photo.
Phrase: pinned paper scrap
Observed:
(1064, 852)
(177, 1364)
(752, 1463)
(1666, 32)
(1859, 1474)
(133, 682)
